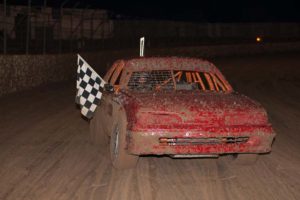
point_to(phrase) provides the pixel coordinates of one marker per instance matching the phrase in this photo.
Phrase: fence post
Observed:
(71, 35)
(61, 25)
(44, 28)
(28, 26)
(4, 28)
(60, 30)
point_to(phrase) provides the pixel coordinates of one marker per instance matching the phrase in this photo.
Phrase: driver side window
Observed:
(115, 76)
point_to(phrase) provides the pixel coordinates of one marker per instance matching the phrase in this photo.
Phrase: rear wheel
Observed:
(119, 156)
(97, 134)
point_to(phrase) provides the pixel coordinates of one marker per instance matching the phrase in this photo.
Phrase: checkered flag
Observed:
(89, 88)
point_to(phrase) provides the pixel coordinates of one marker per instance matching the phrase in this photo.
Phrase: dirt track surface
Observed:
(45, 151)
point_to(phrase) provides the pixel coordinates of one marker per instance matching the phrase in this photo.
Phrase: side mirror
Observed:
(108, 87)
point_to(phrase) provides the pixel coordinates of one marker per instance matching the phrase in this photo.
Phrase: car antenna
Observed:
(142, 45)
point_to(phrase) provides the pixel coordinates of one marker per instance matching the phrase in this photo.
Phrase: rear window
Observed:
(175, 80)
(151, 80)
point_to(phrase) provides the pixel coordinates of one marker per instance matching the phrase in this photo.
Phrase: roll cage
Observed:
(120, 76)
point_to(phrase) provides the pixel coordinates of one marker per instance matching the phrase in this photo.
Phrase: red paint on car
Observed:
(192, 114)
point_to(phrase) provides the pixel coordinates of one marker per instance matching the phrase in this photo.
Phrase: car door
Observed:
(108, 106)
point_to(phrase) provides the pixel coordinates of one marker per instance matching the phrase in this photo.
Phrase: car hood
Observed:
(207, 109)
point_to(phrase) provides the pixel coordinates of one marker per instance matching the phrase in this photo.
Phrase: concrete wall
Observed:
(20, 72)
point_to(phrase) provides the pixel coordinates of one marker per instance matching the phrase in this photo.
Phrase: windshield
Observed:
(175, 80)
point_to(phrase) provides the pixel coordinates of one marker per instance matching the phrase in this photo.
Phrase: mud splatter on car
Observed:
(181, 107)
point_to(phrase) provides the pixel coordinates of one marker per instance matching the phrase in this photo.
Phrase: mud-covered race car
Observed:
(181, 107)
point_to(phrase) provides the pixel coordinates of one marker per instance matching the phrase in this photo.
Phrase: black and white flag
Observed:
(89, 88)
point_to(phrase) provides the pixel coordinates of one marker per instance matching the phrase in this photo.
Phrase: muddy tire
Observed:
(119, 156)
(243, 159)
(97, 134)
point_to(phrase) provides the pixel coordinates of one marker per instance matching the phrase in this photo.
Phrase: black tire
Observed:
(243, 159)
(97, 133)
(118, 153)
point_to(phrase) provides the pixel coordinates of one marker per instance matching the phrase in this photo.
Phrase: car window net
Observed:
(151, 80)
(179, 80)
(194, 80)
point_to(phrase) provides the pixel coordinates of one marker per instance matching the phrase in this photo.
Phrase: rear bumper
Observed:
(205, 142)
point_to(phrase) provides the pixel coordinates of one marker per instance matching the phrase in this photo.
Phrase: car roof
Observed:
(165, 63)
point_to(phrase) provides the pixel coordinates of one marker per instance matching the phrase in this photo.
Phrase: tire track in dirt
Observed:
(45, 152)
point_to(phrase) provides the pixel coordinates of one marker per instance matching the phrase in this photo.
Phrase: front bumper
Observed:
(206, 142)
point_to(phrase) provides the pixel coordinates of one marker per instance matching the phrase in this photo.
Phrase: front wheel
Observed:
(119, 156)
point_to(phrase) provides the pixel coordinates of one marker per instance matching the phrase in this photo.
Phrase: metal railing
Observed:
(41, 29)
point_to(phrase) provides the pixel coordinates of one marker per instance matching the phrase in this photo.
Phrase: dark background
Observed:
(202, 11)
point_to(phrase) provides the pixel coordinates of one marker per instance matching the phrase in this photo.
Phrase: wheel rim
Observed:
(116, 142)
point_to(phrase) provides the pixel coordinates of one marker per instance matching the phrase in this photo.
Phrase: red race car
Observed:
(181, 107)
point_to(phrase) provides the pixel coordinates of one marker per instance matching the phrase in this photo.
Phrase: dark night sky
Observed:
(203, 11)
